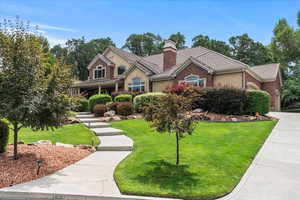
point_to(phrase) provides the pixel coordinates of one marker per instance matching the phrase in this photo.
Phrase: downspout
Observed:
(244, 79)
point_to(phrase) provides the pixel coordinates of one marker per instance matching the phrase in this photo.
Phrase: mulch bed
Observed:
(208, 116)
(25, 168)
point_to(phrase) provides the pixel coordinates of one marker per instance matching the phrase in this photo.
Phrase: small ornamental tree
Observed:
(170, 115)
(33, 91)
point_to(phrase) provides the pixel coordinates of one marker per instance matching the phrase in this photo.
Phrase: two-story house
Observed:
(118, 70)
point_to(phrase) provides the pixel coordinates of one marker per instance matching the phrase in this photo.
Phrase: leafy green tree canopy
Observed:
(32, 94)
(145, 44)
(212, 44)
(179, 39)
(248, 51)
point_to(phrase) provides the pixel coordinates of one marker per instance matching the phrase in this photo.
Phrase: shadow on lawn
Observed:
(168, 176)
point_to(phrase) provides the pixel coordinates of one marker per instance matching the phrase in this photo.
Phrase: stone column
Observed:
(116, 86)
(99, 89)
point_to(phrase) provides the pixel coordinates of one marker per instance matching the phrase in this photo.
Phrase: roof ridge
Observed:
(278, 64)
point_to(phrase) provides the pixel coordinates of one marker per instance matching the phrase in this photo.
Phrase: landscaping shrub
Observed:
(99, 110)
(257, 102)
(229, 101)
(125, 108)
(112, 106)
(133, 94)
(99, 99)
(79, 103)
(4, 132)
(142, 100)
(123, 98)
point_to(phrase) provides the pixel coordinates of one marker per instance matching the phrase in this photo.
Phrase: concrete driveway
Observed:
(275, 172)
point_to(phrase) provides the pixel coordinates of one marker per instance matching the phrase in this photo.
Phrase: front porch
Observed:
(101, 86)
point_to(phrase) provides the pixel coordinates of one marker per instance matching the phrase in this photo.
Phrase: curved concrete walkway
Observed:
(275, 172)
(273, 175)
(89, 178)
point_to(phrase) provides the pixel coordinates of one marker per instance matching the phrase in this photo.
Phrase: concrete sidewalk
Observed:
(275, 171)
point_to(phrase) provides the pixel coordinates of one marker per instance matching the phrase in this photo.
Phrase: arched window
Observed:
(194, 80)
(99, 72)
(121, 69)
(136, 85)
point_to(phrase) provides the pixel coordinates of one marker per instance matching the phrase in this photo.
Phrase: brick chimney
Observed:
(170, 52)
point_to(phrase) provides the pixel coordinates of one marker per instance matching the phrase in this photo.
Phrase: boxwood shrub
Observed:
(142, 100)
(99, 99)
(257, 102)
(4, 132)
(123, 98)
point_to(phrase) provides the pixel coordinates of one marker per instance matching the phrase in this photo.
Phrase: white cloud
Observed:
(55, 40)
(58, 28)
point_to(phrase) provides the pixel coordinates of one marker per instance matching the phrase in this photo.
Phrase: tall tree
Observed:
(179, 39)
(248, 51)
(30, 95)
(212, 44)
(285, 46)
(145, 44)
(58, 51)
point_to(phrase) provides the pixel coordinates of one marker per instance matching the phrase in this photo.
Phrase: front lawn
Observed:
(69, 134)
(213, 159)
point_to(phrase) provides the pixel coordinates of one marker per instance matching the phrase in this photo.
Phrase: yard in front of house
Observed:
(213, 159)
(68, 134)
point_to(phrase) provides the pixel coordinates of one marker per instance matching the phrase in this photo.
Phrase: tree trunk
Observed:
(177, 148)
(16, 130)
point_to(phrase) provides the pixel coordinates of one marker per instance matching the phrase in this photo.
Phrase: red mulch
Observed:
(25, 168)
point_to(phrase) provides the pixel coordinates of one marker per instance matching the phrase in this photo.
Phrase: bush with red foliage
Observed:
(99, 110)
(125, 108)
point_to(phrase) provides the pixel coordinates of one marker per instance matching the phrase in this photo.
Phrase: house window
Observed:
(99, 72)
(136, 85)
(194, 80)
(121, 69)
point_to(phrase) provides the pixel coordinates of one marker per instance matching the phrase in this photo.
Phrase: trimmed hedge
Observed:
(228, 101)
(257, 102)
(4, 133)
(123, 98)
(142, 100)
(99, 99)
(99, 110)
(83, 105)
(125, 108)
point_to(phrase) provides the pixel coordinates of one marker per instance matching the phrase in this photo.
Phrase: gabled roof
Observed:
(172, 72)
(267, 72)
(129, 57)
(102, 58)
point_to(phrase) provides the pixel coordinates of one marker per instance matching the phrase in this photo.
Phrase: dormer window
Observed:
(194, 80)
(99, 72)
(121, 69)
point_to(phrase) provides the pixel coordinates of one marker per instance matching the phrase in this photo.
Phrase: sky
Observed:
(60, 20)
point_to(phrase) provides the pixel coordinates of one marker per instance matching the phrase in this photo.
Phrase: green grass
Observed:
(69, 134)
(213, 159)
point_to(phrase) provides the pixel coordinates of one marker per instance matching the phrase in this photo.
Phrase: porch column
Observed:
(116, 86)
(78, 91)
(99, 89)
